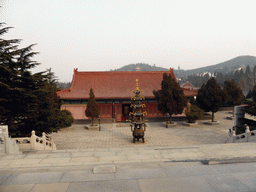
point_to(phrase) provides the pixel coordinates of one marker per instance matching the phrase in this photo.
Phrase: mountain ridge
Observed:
(237, 63)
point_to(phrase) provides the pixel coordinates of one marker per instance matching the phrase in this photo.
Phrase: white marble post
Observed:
(44, 140)
(247, 130)
(33, 140)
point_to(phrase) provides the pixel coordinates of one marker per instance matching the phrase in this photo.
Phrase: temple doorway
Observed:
(126, 109)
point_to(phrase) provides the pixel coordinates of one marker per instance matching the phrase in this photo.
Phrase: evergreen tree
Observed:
(234, 93)
(236, 76)
(248, 71)
(92, 109)
(254, 75)
(171, 98)
(254, 93)
(249, 94)
(192, 101)
(209, 97)
(27, 101)
(14, 81)
(252, 104)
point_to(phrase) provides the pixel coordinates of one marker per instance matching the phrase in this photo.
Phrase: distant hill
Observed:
(237, 63)
(140, 67)
(240, 62)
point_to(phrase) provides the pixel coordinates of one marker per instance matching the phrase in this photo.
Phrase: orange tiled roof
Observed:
(116, 84)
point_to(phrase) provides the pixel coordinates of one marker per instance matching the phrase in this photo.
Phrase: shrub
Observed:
(193, 113)
(66, 118)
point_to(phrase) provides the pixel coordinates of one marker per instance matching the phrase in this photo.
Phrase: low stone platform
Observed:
(212, 122)
(190, 124)
(92, 127)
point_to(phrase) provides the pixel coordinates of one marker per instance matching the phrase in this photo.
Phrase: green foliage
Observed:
(171, 98)
(210, 97)
(244, 80)
(65, 118)
(193, 113)
(63, 85)
(92, 109)
(234, 93)
(252, 104)
(249, 94)
(192, 101)
(27, 101)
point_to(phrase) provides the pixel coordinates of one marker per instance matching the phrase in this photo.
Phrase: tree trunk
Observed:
(212, 116)
(92, 121)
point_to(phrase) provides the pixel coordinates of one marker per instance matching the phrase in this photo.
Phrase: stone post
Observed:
(247, 132)
(233, 136)
(53, 144)
(44, 140)
(33, 140)
(7, 141)
(5, 135)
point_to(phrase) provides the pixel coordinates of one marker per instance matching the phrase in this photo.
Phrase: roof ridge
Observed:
(115, 72)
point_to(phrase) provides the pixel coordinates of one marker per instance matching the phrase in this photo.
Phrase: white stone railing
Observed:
(36, 143)
(7, 145)
(244, 137)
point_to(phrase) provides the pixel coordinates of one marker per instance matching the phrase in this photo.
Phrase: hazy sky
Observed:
(99, 35)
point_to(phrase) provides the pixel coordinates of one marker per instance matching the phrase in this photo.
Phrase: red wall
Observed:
(106, 110)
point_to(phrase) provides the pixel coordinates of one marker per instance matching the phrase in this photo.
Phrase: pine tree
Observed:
(254, 75)
(171, 98)
(27, 101)
(92, 109)
(14, 76)
(252, 104)
(209, 97)
(234, 93)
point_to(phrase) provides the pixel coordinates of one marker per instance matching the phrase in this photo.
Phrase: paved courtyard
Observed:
(119, 135)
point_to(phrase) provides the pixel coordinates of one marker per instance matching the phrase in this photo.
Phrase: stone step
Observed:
(110, 156)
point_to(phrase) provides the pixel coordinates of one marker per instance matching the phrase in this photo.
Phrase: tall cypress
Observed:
(210, 97)
(234, 93)
(92, 109)
(170, 97)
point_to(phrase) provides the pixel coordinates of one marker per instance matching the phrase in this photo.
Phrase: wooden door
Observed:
(118, 112)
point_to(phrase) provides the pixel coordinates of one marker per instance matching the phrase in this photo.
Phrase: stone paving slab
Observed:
(104, 169)
(224, 182)
(31, 178)
(193, 170)
(20, 188)
(174, 185)
(58, 187)
(77, 137)
(103, 186)
(3, 177)
(248, 179)
(55, 160)
(113, 158)
(84, 159)
(132, 155)
(140, 173)
(168, 176)
(77, 176)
